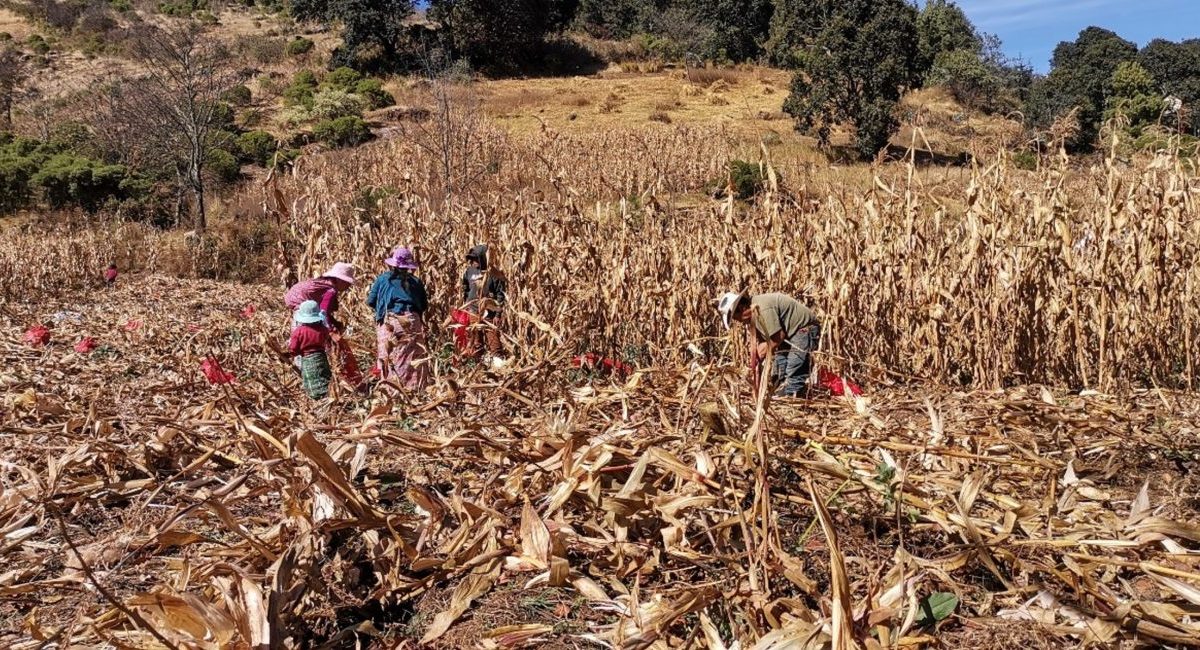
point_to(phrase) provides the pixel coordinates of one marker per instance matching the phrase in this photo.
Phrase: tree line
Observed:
(854, 59)
(155, 143)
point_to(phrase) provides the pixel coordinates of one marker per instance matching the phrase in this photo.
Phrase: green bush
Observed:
(182, 8)
(93, 46)
(300, 92)
(1153, 140)
(305, 77)
(332, 103)
(256, 147)
(223, 165)
(223, 117)
(251, 118)
(37, 43)
(16, 176)
(299, 46)
(286, 157)
(74, 136)
(371, 90)
(67, 180)
(122, 6)
(60, 173)
(747, 178)
(342, 132)
(1027, 160)
(342, 78)
(237, 96)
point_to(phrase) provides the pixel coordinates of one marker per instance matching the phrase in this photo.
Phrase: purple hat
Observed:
(402, 258)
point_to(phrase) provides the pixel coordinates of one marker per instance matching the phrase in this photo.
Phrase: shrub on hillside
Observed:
(372, 92)
(1026, 160)
(1155, 140)
(332, 103)
(66, 180)
(263, 49)
(300, 92)
(237, 96)
(976, 81)
(37, 44)
(74, 136)
(223, 117)
(342, 132)
(286, 157)
(182, 8)
(223, 165)
(16, 176)
(299, 46)
(747, 178)
(342, 78)
(256, 147)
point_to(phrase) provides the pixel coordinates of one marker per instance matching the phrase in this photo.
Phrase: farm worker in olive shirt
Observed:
(783, 327)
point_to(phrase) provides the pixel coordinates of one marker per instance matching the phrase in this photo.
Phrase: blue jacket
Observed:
(390, 296)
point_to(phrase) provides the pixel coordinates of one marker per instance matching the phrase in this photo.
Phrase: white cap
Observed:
(727, 304)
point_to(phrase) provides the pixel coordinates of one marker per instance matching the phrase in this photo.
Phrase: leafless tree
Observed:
(454, 134)
(12, 75)
(172, 108)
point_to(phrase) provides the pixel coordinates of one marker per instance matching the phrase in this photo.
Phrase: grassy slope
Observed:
(747, 101)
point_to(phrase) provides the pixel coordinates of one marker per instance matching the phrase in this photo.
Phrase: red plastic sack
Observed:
(248, 311)
(837, 386)
(85, 345)
(214, 373)
(460, 322)
(605, 365)
(37, 336)
(348, 363)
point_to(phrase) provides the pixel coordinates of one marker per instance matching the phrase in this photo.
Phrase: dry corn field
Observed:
(1022, 469)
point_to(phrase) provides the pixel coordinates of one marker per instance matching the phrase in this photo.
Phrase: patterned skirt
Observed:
(403, 356)
(316, 374)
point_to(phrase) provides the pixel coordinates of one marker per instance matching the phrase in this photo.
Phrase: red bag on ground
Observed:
(605, 365)
(37, 336)
(248, 311)
(837, 386)
(460, 323)
(85, 345)
(214, 373)
(348, 363)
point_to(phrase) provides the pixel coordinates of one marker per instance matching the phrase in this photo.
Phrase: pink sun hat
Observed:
(402, 258)
(343, 271)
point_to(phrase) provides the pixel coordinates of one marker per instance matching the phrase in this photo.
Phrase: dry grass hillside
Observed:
(747, 101)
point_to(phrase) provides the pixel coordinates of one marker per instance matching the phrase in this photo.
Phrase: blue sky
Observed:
(1031, 28)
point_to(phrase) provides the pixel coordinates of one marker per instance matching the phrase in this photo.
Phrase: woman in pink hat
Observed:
(399, 300)
(324, 290)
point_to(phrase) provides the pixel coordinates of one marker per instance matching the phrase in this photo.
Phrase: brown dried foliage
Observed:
(671, 506)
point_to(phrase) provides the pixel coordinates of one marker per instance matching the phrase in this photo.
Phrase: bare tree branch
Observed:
(168, 115)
